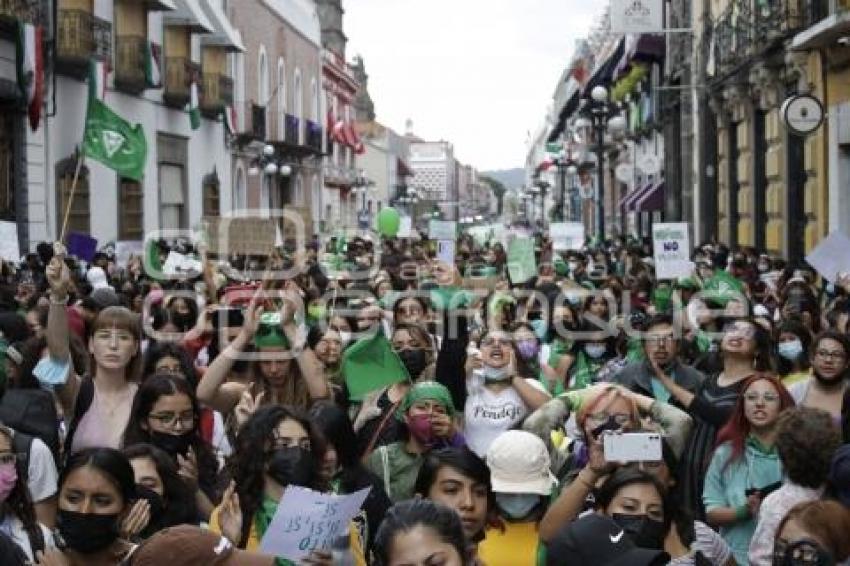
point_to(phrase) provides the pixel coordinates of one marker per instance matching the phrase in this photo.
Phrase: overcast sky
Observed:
(478, 73)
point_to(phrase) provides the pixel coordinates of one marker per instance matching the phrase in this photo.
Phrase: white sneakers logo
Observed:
(616, 538)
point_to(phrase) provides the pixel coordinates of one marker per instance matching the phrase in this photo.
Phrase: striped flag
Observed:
(153, 65)
(194, 108)
(30, 63)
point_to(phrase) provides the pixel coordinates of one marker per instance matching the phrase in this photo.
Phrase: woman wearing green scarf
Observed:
(276, 447)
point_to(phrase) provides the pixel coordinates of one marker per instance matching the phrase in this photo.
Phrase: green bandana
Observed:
(270, 334)
(586, 370)
(426, 390)
(262, 520)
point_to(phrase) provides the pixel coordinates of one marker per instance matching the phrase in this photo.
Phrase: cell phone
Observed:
(632, 447)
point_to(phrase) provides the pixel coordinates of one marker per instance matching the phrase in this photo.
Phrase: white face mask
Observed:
(495, 375)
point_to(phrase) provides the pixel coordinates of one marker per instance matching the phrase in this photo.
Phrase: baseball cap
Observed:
(839, 474)
(598, 540)
(519, 463)
(187, 545)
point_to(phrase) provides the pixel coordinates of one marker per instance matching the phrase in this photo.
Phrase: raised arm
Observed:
(308, 363)
(58, 339)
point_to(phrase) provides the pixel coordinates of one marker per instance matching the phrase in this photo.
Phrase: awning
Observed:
(603, 73)
(627, 202)
(160, 5)
(188, 13)
(825, 32)
(224, 35)
(642, 47)
(650, 200)
(566, 112)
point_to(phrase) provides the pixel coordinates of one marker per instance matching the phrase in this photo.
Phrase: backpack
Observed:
(32, 413)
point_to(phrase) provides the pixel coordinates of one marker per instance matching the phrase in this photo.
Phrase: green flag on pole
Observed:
(194, 107)
(371, 364)
(114, 142)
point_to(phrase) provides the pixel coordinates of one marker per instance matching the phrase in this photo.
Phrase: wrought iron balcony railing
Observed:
(130, 63)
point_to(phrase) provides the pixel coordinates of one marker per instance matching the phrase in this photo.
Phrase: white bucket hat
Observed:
(519, 463)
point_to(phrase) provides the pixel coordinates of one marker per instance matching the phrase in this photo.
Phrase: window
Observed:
(7, 168)
(263, 80)
(298, 101)
(240, 201)
(265, 196)
(299, 192)
(212, 195)
(314, 101)
(79, 217)
(315, 199)
(172, 196)
(281, 98)
(131, 211)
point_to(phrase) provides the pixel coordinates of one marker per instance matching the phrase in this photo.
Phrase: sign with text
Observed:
(637, 16)
(405, 227)
(442, 230)
(831, 257)
(243, 235)
(9, 248)
(180, 264)
(522, 264)
(671, 246)
(307, 520)
(566, 235)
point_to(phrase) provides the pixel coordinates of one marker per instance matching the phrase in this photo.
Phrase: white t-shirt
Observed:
(488, 414)
(12, 527)
(42, 472)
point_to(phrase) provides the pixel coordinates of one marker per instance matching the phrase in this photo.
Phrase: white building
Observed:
(435, 174)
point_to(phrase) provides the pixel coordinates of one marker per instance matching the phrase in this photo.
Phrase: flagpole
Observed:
(71, 196)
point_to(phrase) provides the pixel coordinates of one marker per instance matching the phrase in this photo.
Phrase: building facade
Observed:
(435, 174)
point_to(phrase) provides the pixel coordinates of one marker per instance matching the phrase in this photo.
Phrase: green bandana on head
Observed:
(270, 334)
(426, 390)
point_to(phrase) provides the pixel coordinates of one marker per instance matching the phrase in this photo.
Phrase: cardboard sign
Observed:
(831, 257)
(81, 245)
(307, 520)
(179, 264)
(405, 227)
(446, 251)
(672, 249)
(442, 230)
(125, 249)
(566, 235)
(9, 248)
(245, 236)
(522, 264)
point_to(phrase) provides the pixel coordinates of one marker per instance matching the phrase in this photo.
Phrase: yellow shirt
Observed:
(793, 378)
(253, 543)
(516, 546)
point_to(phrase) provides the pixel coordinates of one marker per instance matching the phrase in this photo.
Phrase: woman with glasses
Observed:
(813, 534)
(18, 520)
(745, 467)
(165, 414)
(277, 447)
(828, 388)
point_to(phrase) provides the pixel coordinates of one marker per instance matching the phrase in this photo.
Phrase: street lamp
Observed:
(602, 116)
(269, 164)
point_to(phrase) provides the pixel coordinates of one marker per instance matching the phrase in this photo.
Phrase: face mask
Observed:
(528, 349)
(595, 351)
(790, 350)
(517, 505)
(292, 466)
(540, 328)
(157, 508)
(793, 554)
(414, 361)
(645, 532)
(174, 444)
(87, 533)
(8, 479)
(495, 375)
(419, 427)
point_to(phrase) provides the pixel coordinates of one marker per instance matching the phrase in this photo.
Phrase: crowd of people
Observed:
(147, 419)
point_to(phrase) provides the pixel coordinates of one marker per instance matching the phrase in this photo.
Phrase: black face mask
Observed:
(86, 533)
(157, 509)
(645, 532)
(174, 444)
(292, 466)
(415, 360)
(611, 424)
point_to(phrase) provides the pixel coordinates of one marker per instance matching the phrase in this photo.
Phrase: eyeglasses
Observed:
(744, 330)
(801, 552)
(493, 342)
(602, 416)
(7, 458)
(830, 354)
(765, 397)
(186, 420)
(659, 339)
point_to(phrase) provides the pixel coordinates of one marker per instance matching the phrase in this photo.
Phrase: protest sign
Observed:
(442, 230)
(522, 265)
(446, 251)
(831, 257)
(81, 245)
(566, 235)
(9, 249)
(126, 248)
(671, 246)
(307, 520)
(405, 227)
(246, 236)
(179, 264)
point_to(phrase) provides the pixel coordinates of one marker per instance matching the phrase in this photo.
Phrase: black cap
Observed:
(598, 540)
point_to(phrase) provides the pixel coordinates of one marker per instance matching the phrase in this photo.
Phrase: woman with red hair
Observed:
(745, 467)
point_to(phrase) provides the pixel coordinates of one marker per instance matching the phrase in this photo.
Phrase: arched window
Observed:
(240, 200)
(212, 194)
(298, 101)
(316, 199)
(314, 101)
(299, 192)
(281, 98)
(263, 80)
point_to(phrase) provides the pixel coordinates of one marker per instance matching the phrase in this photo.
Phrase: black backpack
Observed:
(32, 413)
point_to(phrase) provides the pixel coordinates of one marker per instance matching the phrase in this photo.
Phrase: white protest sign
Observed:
(566, 235)
(442, 230)
(637, 16)
(9, 249)
(446, 251)
(671, 246)
(125, 249)
(179, 264)
(307, 520)
(405, 226)
(831, 256)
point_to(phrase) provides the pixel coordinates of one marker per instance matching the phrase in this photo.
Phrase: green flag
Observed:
(371, 364)
(521, 263)
(114, 142)
(194, 108)
(722, 287)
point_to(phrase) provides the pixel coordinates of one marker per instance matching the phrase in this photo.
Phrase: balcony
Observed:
(338, 176)
(253, 127)
(292, 130)
(80, 36)
(314, 136)
(29, 11)
(130, 63)
(217, 93)
(179, 74)
(825, 23)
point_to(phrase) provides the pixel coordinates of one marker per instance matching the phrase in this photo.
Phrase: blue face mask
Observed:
(517, 505)
(595, 351)
(790, 350)
(540, 328)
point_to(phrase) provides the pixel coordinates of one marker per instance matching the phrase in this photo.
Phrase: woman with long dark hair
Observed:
(166, 414)
(420, 531)
(793, 345)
